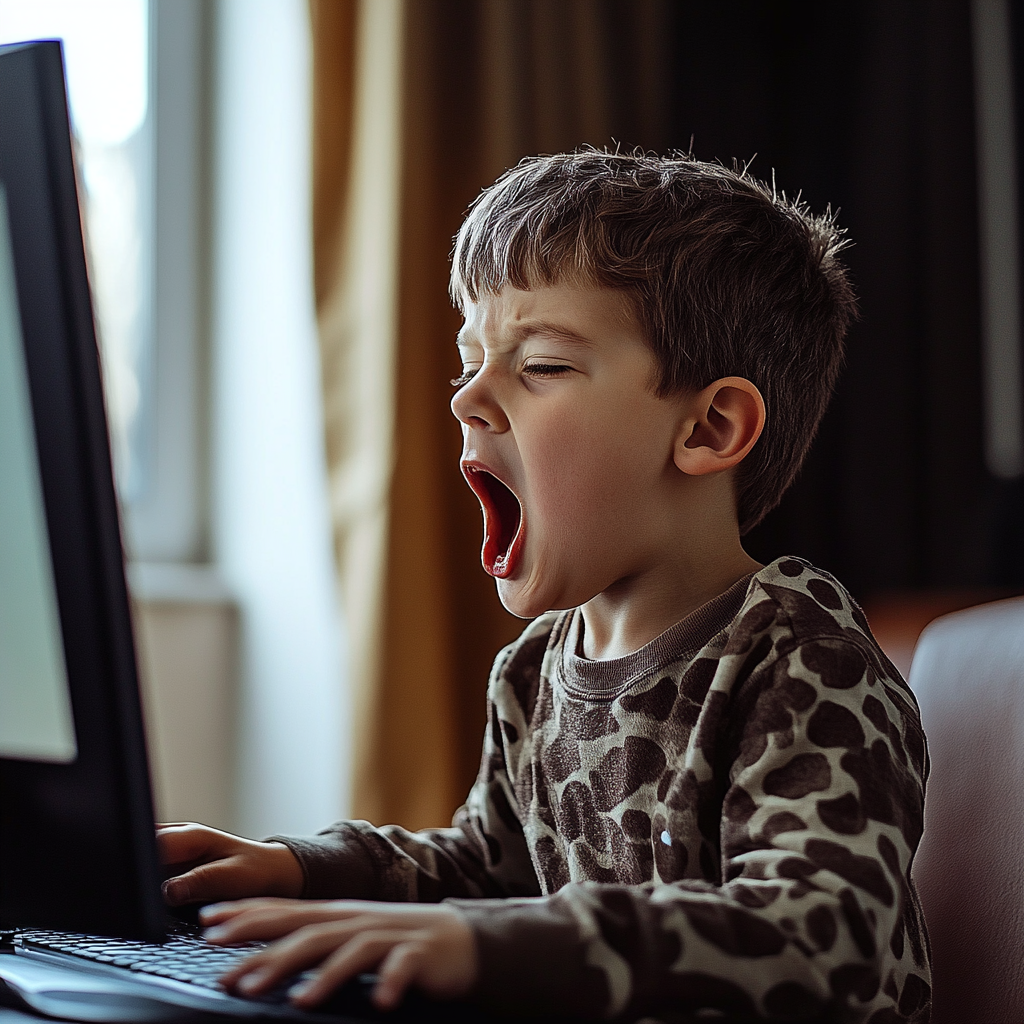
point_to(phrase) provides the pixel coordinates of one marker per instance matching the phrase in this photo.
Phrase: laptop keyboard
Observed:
(183, 957)
(186, 957)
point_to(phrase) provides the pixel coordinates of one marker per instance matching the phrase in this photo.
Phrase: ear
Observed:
(721, 426)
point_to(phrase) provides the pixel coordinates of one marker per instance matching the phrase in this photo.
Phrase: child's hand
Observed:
(215, 865)
(426, 945)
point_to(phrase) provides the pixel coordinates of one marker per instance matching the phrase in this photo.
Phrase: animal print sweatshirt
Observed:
(722, 821)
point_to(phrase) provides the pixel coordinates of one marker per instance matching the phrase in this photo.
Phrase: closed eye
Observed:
(462, 381)
(546, 369)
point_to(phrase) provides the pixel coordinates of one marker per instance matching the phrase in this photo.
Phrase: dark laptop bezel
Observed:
(77, 847)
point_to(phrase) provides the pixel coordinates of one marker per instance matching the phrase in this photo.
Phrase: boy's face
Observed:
(565, 444)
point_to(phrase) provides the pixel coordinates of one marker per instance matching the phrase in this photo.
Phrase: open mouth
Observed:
(503, 521)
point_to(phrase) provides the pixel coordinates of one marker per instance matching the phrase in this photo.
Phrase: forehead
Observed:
(583, 313)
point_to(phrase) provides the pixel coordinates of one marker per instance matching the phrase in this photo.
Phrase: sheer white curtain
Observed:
(271, 525)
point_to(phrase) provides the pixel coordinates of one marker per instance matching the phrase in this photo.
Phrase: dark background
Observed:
(870, 107)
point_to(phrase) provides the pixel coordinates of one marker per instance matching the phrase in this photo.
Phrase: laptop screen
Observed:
(35, 703)
(77, 849)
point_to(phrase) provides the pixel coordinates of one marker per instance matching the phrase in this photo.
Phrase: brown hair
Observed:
(725, 276)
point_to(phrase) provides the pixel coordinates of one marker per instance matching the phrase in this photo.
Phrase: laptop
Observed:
(84, 933)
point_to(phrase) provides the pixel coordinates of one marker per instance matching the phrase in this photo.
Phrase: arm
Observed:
(483, 854)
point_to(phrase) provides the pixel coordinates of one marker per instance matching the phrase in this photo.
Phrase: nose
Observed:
(476, 404)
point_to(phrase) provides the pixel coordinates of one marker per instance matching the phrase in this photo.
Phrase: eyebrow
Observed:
(526, 328)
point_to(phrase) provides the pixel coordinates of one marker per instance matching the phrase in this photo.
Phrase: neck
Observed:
(633, 611)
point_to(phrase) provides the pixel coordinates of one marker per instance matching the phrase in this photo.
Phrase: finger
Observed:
(270, 918)
(265, 968)
(304, 948)
(215, 880)
(260, 923)
(180, 843)
(214, 913)
(396, 973)
(361, 953)
(253, 967)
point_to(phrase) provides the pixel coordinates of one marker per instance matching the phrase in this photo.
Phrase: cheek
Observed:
(562, 464)
(577, 479)
(588, 463)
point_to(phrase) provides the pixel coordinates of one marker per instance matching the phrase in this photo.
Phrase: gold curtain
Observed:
(480, 83)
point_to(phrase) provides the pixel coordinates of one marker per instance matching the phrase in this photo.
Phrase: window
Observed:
(106, 52)
(137, 73)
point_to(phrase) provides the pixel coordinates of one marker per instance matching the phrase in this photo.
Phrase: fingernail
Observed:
(299, 989)
(251, 982)
(173, 890)
(383, 999)
(214, 934)
(209, 910)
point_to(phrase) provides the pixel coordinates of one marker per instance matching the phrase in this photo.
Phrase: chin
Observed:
(526, 600)
(519, 601)
(514, 605)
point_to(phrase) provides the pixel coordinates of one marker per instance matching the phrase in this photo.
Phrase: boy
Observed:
(702, 784)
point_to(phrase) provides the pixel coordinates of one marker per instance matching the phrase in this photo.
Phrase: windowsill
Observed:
(177, 583)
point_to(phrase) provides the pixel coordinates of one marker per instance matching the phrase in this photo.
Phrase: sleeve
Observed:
(483, 854)
(822, 763)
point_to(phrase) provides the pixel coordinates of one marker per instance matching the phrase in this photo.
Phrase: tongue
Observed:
(503, 523)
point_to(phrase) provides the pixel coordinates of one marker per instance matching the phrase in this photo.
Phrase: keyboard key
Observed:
(187, 958)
